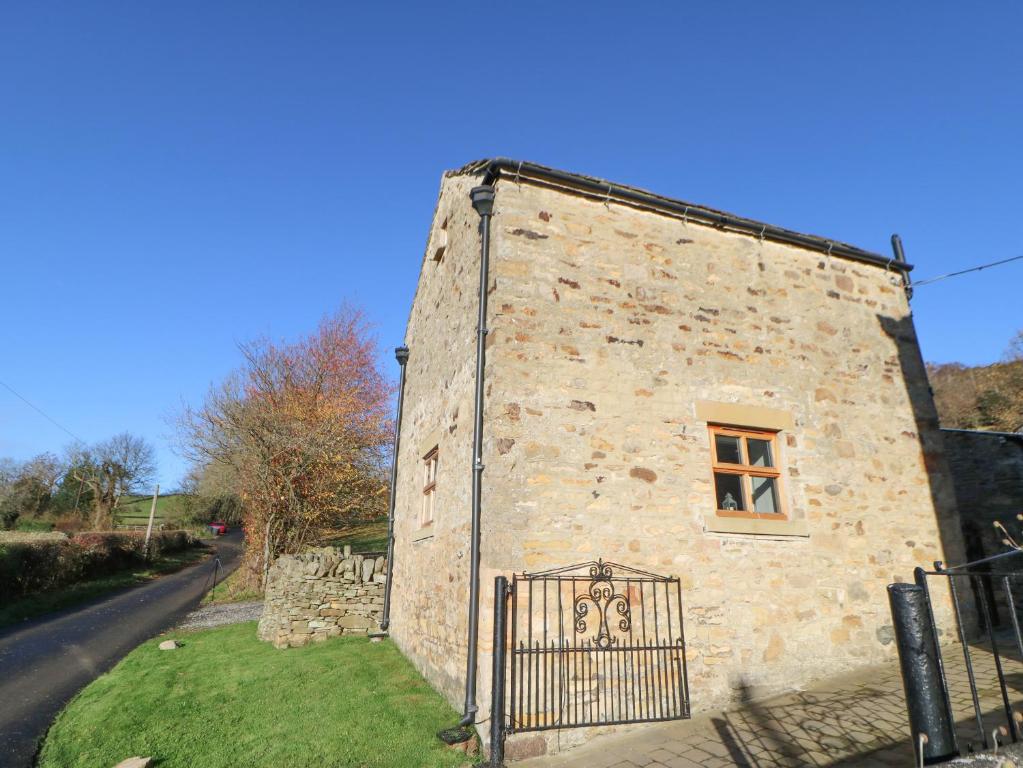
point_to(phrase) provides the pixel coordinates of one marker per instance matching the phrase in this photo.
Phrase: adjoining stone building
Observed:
(987, 472)
(675, 389)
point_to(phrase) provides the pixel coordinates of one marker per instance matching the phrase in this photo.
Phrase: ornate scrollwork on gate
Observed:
(602, 597)
(593, 643)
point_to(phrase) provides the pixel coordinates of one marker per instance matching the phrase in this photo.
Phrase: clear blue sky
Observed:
(178, 177)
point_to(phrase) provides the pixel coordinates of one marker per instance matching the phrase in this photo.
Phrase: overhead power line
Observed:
(40, 411)
(918, 283)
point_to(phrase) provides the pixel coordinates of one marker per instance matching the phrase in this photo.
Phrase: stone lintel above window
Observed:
(741, 415)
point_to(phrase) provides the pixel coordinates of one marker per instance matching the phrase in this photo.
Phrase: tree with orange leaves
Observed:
(304, 428)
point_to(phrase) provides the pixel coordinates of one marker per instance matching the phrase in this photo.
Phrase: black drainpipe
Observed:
(401, 355)
(483, 202)
(900, 256)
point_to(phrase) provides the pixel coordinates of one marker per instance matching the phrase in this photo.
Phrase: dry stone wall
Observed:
(324, 593)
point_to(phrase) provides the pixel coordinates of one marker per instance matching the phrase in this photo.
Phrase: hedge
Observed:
(44, 565)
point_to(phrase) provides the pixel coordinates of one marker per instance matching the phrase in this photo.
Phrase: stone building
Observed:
(674, 389)
(987, 472)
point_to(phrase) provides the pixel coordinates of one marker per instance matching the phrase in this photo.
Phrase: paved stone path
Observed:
(855, 720)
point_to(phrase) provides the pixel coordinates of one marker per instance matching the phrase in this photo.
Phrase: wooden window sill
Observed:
(758, 526)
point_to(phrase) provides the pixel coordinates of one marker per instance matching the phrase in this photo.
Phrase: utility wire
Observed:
(40, 411)
(917, 283)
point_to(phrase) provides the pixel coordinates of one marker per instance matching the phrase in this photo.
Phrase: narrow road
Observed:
(46, 661)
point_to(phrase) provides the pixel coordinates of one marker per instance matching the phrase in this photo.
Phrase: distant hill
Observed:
(982, 397)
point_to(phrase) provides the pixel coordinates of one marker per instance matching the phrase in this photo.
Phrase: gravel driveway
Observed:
(218, 615)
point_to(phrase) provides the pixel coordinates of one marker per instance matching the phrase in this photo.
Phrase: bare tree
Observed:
(112, 468)
(1015, 349)
(26, 488)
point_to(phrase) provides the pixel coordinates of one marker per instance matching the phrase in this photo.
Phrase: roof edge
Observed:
(493, 169)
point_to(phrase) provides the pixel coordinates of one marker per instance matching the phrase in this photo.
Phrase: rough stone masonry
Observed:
(618, 337)
(322, 593)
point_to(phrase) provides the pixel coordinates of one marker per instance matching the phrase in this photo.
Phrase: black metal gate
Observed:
(591, 644)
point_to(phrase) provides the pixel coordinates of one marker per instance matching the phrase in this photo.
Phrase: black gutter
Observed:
(483, 202)
(401, 355)
(502, 167)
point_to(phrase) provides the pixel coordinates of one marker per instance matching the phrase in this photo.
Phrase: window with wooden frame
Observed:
(429, 487)
(747, 479)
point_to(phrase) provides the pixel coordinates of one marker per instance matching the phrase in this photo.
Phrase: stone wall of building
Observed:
(987, 471)
(429, 597)
(615, 333)
(323, 593)
(615, 336)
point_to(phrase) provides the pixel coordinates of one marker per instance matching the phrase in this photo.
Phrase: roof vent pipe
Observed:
(900, 257)
(401, 355)
(483, 202)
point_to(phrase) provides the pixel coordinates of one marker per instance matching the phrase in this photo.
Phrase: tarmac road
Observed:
(46, 661)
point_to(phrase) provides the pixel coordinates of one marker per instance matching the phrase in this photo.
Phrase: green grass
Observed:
(32, 525)
(370, 536)
(225, 699)
(36, 605)
(134, 510)
(233, 589)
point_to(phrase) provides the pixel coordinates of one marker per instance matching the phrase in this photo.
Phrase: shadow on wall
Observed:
(914, 377)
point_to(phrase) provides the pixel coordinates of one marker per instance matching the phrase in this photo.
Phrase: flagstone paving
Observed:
(854, 720)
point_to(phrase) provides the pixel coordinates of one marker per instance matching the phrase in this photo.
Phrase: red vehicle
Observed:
(218, 528)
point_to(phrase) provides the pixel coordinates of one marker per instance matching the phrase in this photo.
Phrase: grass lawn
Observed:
(225, 699)
(370, 536)
(28, 524)
(134, 510)
(36, 605)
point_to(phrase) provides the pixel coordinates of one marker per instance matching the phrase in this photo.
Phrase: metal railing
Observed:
(984, 598)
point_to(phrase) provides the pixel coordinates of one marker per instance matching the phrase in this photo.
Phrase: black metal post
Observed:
(900, 256)
(483, 202)
(401, 355)
(926, 695)
(920, 577)
(497, 685)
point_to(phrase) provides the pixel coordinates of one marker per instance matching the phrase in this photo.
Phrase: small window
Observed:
(429, 488)
(747, 479)
(441, 242)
